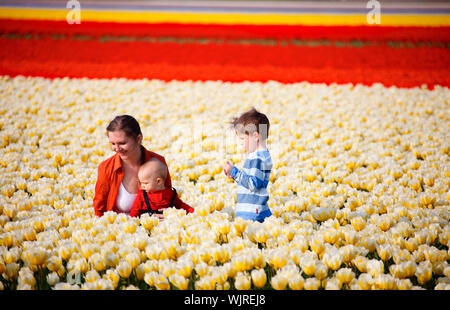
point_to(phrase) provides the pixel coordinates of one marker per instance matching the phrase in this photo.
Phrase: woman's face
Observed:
(124, 145)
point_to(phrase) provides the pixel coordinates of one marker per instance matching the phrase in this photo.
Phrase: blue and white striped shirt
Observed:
(252, 195)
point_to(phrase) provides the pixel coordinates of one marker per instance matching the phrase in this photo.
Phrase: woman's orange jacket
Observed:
(110, 175)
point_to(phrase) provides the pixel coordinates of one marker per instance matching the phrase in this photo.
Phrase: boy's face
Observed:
(150, 182)
(248, 141)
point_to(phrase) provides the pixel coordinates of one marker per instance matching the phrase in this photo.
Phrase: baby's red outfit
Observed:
(158, 200)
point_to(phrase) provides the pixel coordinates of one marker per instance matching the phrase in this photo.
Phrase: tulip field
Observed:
(359, 189)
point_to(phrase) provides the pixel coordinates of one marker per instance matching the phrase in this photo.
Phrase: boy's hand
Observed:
(227, 168)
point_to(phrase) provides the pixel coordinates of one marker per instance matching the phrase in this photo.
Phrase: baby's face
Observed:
(150, 182)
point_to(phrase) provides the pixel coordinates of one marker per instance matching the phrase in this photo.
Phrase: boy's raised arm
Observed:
(253, 181)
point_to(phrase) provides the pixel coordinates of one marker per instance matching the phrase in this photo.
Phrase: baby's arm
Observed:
(179, 204)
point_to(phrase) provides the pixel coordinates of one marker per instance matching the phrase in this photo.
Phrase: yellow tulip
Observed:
(161, 282)
(365, 281)
(184, 268)
(279, 282)
(231, 271)
(112, 260)
(351, 237)
(205, 255)
(316, 245)
(242, 281)
(300, 243)
(201, 269)
(330, 236)
(361, 263)
(345, 275)
(446, 271)
(220, 275)
(158, 253)
(167, 267)
(54, 263)
(202, 210)
(404, 284)
(12, 270)
(423, 273)
(333, 260)
(411, 244)
(240, 225)
(221, 254)
(259, 278)
(384, 282)
(52, 278)
(239, 263)
(223, 227)
(124, 269)
(384, 252)
(10, 257)
(311, 284)
(369, 244)
(140, 272)
(321, 271)
(278, 259)
(129, 227)
(10, 211)
(2, 266)
(150, 278)
(92, 276)
(37, 256)
(179, 281)
(296, 282)
(358, 223)
(374, 267)
(261, 236)
(113, 276)
(384, 222)
(149, 222)
(26, 281)
(401, 256)
(206, 282)
(133, 259)
(97, 262)
(333, 284)
(308, 266)
(30, 234)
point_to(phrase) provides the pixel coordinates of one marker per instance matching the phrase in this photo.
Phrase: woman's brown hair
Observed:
(127, 124)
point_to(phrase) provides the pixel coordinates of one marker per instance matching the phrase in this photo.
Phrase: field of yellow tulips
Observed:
(359, 190)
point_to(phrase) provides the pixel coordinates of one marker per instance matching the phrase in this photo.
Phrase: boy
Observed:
(252, 128)
(152, 175)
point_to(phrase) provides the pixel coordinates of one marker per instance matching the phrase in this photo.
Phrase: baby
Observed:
(152, 175)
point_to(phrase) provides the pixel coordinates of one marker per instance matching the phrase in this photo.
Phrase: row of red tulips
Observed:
(49, 54)
(341, 33)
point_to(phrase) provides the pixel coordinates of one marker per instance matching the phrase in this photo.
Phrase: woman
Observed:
(117, 181)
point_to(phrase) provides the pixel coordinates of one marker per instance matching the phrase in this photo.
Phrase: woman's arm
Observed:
(168, 182)
(101, 192)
